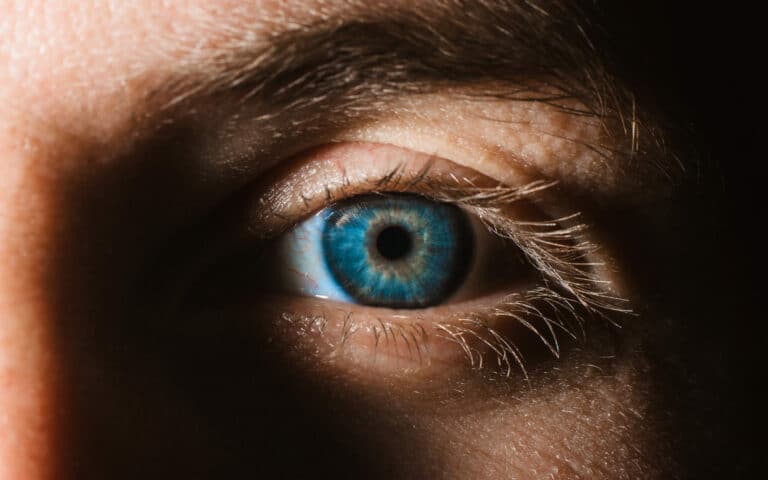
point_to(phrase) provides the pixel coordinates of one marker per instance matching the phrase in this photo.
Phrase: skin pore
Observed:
(142, 142)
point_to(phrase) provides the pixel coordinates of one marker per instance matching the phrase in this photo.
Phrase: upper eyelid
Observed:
(314, 180)
(573, 152)
(276, 208)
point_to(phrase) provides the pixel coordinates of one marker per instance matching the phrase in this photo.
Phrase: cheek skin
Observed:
(595, 418)
(591, 428)
(594, 430)
(592, 414)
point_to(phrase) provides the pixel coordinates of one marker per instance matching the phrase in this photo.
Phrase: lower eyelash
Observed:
(479, 335)
(550, 309)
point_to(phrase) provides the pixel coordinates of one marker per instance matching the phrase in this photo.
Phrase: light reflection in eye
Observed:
(395, 251)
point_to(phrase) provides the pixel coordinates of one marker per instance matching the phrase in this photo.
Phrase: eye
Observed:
(394, 251)
(388, 258)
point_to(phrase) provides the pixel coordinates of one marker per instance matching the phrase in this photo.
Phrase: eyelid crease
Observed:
(274, 208)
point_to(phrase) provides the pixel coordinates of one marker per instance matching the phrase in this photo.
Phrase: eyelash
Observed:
(570, 294)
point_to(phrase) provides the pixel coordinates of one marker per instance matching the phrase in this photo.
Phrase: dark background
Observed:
(700, 63)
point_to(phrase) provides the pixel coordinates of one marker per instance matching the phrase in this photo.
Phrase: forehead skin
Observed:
(95, 61)
(72, 74)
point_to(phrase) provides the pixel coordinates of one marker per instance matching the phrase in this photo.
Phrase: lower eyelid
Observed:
(492, 334)
(367, 339)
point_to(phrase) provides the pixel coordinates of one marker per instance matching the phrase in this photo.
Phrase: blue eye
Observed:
(395, 251)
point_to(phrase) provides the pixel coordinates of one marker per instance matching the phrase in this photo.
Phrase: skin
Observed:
(90, 387)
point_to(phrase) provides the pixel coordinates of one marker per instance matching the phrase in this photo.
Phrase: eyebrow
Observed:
(372, 56)
(336, 70)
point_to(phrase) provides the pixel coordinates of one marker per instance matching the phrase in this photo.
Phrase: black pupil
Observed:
(394, 242)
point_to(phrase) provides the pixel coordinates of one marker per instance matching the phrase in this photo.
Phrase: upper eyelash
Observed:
(571, 291)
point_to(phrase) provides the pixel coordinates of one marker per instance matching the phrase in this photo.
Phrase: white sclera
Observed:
(306, 272)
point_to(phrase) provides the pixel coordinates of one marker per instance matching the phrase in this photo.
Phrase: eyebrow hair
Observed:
(397, 51)
(339, 68)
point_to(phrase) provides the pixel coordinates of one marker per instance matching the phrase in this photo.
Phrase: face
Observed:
(339, 238)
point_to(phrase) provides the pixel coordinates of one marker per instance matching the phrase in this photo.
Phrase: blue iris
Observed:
(394, 250)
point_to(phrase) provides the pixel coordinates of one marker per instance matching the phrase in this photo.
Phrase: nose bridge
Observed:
(27, 358)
